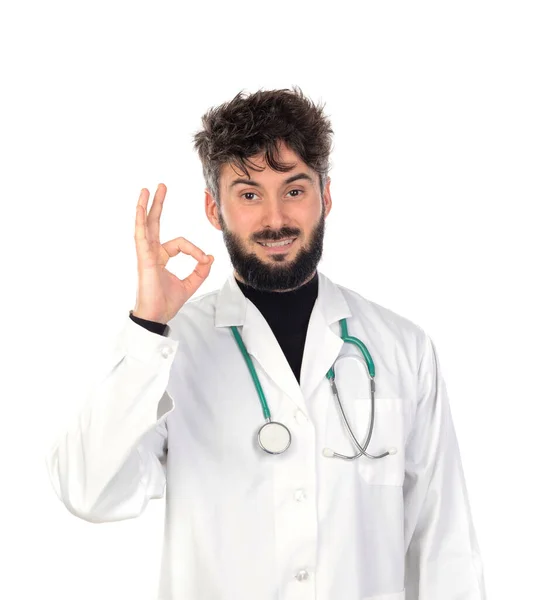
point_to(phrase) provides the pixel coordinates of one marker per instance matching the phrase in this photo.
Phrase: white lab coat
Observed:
(180, 414)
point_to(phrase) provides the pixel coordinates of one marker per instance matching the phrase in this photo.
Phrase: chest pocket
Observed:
(388, 432)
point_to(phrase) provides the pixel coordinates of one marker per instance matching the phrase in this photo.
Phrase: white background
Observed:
(434, 193)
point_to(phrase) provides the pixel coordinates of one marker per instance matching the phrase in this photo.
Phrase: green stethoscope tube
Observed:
(266, 411)
(352, 340)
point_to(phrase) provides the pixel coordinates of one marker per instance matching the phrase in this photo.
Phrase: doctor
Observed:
(354, 489)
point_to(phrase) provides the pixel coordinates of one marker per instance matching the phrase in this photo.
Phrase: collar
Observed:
(232, 305)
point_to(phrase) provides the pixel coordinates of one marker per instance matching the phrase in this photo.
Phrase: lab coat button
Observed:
(299, 495)
(166, 351)
(302, 575)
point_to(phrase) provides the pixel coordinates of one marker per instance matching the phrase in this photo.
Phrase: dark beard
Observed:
(280, 274)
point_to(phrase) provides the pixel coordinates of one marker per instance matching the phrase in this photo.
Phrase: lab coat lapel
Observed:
(263, 345)
(233, 308)
(323, 340)
(322, 344)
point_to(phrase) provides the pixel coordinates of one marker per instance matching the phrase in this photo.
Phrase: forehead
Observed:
(230, 172)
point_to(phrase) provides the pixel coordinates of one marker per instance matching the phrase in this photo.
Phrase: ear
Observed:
(327, 198)
(211, 210)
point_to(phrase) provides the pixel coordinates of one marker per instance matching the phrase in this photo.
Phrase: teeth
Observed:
(272, 244)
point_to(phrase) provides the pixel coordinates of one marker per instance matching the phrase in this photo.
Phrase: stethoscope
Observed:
(275, 438)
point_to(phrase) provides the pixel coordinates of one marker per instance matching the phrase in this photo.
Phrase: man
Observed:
(229, 402)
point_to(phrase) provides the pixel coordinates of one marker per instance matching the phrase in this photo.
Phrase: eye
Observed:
(249, 193)
(296, 190)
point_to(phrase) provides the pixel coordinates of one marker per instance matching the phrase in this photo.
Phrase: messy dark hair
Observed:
(247, 125)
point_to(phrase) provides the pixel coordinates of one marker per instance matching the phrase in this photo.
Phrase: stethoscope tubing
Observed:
(257, 383)
(362, 451)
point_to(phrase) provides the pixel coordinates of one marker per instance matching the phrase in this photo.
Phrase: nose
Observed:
(274, 215)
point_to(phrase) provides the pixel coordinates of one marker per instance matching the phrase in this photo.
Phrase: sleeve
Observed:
(442, 558)
(112, 458)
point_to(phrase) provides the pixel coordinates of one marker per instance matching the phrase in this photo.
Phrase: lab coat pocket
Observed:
(388, 433)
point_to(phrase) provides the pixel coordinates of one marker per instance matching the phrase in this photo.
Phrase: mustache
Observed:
(276, 236)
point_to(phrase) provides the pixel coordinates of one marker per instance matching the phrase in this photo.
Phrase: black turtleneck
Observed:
(287, 313)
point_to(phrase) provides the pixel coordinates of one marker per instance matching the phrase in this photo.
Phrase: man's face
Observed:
(269, 210)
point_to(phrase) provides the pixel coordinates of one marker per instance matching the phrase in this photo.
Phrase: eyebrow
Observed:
(286, 181)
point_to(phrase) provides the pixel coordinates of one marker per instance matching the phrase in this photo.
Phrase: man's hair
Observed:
(247, 125)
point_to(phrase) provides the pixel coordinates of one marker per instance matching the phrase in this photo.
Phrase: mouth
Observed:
(279, 246)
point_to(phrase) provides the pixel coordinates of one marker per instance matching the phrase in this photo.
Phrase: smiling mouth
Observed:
(280, 244)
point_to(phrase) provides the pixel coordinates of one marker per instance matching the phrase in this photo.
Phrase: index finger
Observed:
(181, 244)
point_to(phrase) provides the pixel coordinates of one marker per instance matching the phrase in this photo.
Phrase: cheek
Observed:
(244, 226)
(236, 221)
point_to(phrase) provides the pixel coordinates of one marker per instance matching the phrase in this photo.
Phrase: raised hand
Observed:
(161, 294)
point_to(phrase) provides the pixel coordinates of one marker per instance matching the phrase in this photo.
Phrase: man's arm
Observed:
(112, 458)
(443, 559)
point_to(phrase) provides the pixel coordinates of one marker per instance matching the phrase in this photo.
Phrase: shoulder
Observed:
(198, 312)
(384, 321)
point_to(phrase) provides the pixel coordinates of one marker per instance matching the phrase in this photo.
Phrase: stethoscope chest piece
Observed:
(274, 437)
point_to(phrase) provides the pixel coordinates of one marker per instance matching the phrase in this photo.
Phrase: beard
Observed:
(278, 273)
